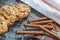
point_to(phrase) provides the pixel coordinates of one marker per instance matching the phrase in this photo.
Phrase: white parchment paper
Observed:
(45, 9)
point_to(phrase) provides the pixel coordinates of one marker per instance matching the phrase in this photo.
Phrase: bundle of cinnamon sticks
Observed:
(45, 24)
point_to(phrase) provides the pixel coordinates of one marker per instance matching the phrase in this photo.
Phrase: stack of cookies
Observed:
(10, 14)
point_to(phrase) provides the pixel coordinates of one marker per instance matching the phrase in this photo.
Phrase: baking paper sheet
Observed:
(44, 9)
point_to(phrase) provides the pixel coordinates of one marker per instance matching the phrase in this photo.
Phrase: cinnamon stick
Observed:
(46, 30)
(38, 19)
(46, 26)
(30, 32)
(43, 22)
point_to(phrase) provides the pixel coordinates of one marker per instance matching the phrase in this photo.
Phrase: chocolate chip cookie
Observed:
(23, 9)
(8, 13)
(3, 25)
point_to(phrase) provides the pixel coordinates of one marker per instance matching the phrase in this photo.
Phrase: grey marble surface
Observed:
(7, 2)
